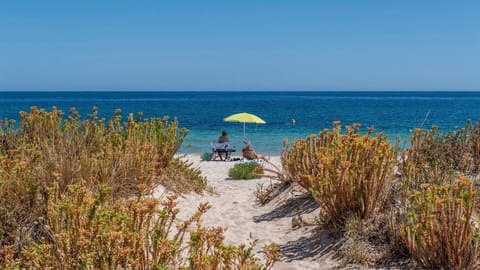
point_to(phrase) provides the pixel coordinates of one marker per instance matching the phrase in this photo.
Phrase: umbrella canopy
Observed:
(244, 118)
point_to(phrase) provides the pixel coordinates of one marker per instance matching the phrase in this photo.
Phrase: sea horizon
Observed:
(242, 90)
(396, 113)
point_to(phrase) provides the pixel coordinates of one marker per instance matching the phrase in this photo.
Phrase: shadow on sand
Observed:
(292, 207)
(317, 244)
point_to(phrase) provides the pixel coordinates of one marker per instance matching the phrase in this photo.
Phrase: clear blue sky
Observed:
(240, 45)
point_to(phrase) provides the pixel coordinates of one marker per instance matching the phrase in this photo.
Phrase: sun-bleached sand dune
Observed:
(234, 207)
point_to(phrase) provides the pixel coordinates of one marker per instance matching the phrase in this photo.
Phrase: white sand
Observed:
(234, 207)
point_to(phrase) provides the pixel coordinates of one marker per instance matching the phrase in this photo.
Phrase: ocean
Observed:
(394, 113)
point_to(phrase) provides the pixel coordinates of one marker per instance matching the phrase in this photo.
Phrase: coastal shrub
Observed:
(438, 228)
(278, 173)
(433, 156)
(264, 193)
(129, 156)
(180, 176)
(354, 249)
(86, 231)
(77, 194)
(48, 151)
(345, 173)
(7, 135)
(435, 205)
(246, 170)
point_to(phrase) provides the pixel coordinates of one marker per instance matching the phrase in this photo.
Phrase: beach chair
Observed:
(256, 160)
(249, 158)
(222, 151)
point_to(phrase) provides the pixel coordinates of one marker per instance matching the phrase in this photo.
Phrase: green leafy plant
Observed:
(245, 170)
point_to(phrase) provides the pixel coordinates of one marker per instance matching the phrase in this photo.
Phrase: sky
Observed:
(239, 45)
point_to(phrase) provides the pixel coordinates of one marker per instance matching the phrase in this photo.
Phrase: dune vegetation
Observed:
(245, 171)
(417, 202)
(77, 194)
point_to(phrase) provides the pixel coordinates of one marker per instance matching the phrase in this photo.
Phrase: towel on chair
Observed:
(220, 145)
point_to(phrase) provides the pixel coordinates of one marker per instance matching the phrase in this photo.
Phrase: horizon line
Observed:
(259, 90)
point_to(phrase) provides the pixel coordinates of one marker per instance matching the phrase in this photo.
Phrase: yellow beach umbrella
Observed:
(244, 118)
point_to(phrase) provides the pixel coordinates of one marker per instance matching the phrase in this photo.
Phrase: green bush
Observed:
(245, 171)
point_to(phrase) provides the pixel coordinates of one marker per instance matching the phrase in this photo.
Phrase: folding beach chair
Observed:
(221, 151)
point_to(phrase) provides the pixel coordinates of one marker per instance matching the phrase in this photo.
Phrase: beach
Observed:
(347, 135)
(234, 207)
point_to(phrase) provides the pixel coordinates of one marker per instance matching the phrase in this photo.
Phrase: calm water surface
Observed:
(395, 113)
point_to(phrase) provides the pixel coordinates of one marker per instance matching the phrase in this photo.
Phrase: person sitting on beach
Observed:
(223, 138)
(249, 153)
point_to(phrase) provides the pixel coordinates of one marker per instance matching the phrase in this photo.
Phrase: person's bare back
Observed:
(224, 137)
(249, 153)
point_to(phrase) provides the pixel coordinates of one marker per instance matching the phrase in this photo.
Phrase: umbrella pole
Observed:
(244, 130)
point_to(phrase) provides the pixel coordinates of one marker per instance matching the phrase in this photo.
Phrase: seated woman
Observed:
(249, 153)
(224, 137)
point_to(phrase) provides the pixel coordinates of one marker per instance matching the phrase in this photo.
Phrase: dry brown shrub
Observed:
(438, 228)
(433, 156)
(346, 173)
(75, 194)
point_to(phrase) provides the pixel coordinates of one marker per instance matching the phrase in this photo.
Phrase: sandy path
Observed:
(234, 207)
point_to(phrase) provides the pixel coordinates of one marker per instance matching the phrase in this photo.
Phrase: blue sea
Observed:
(394, 113)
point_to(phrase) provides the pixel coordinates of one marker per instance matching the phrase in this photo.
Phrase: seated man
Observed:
(249, 153)
(221, 150)
(224, 137)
